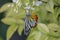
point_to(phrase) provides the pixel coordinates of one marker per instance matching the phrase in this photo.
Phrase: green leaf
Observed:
(34, 35)
(1, 38)
(41, 12)
(54, 29)
(20, 14)
(57, 2)
(5, 7)
(21, 27)
(44, 37)
(9, 21)
(45, 0)
(57, 12)
(11, 31)
(24, 2)
(43, 28)
(52, 38)
(49, 6)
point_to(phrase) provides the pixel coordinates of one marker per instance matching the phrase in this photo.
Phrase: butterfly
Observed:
(30, 22)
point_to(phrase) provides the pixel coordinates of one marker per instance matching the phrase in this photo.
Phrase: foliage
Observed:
(48, 12)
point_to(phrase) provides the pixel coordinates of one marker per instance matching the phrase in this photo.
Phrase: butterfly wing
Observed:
(29, 23)
(27, 26)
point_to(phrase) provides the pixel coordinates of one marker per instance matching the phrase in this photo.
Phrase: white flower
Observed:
(14, 0)
(38, 3)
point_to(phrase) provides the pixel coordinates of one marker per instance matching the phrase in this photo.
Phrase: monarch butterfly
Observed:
(30, 22)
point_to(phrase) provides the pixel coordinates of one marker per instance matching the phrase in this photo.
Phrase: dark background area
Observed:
(4, 27)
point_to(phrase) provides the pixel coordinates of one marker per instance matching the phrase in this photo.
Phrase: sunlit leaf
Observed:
(49, 6)
(35, 35)
(25, 2)
(12, 13)
(44, 37)
(45, 0)
(5, 7)
(9, 21)
(54, 29)
(41, 12)
(41, 16)
(52, 38)
(11, 31)
(21, 27)
(43, 28)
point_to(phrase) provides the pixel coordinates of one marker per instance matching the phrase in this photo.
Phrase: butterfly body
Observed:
(30, 22)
